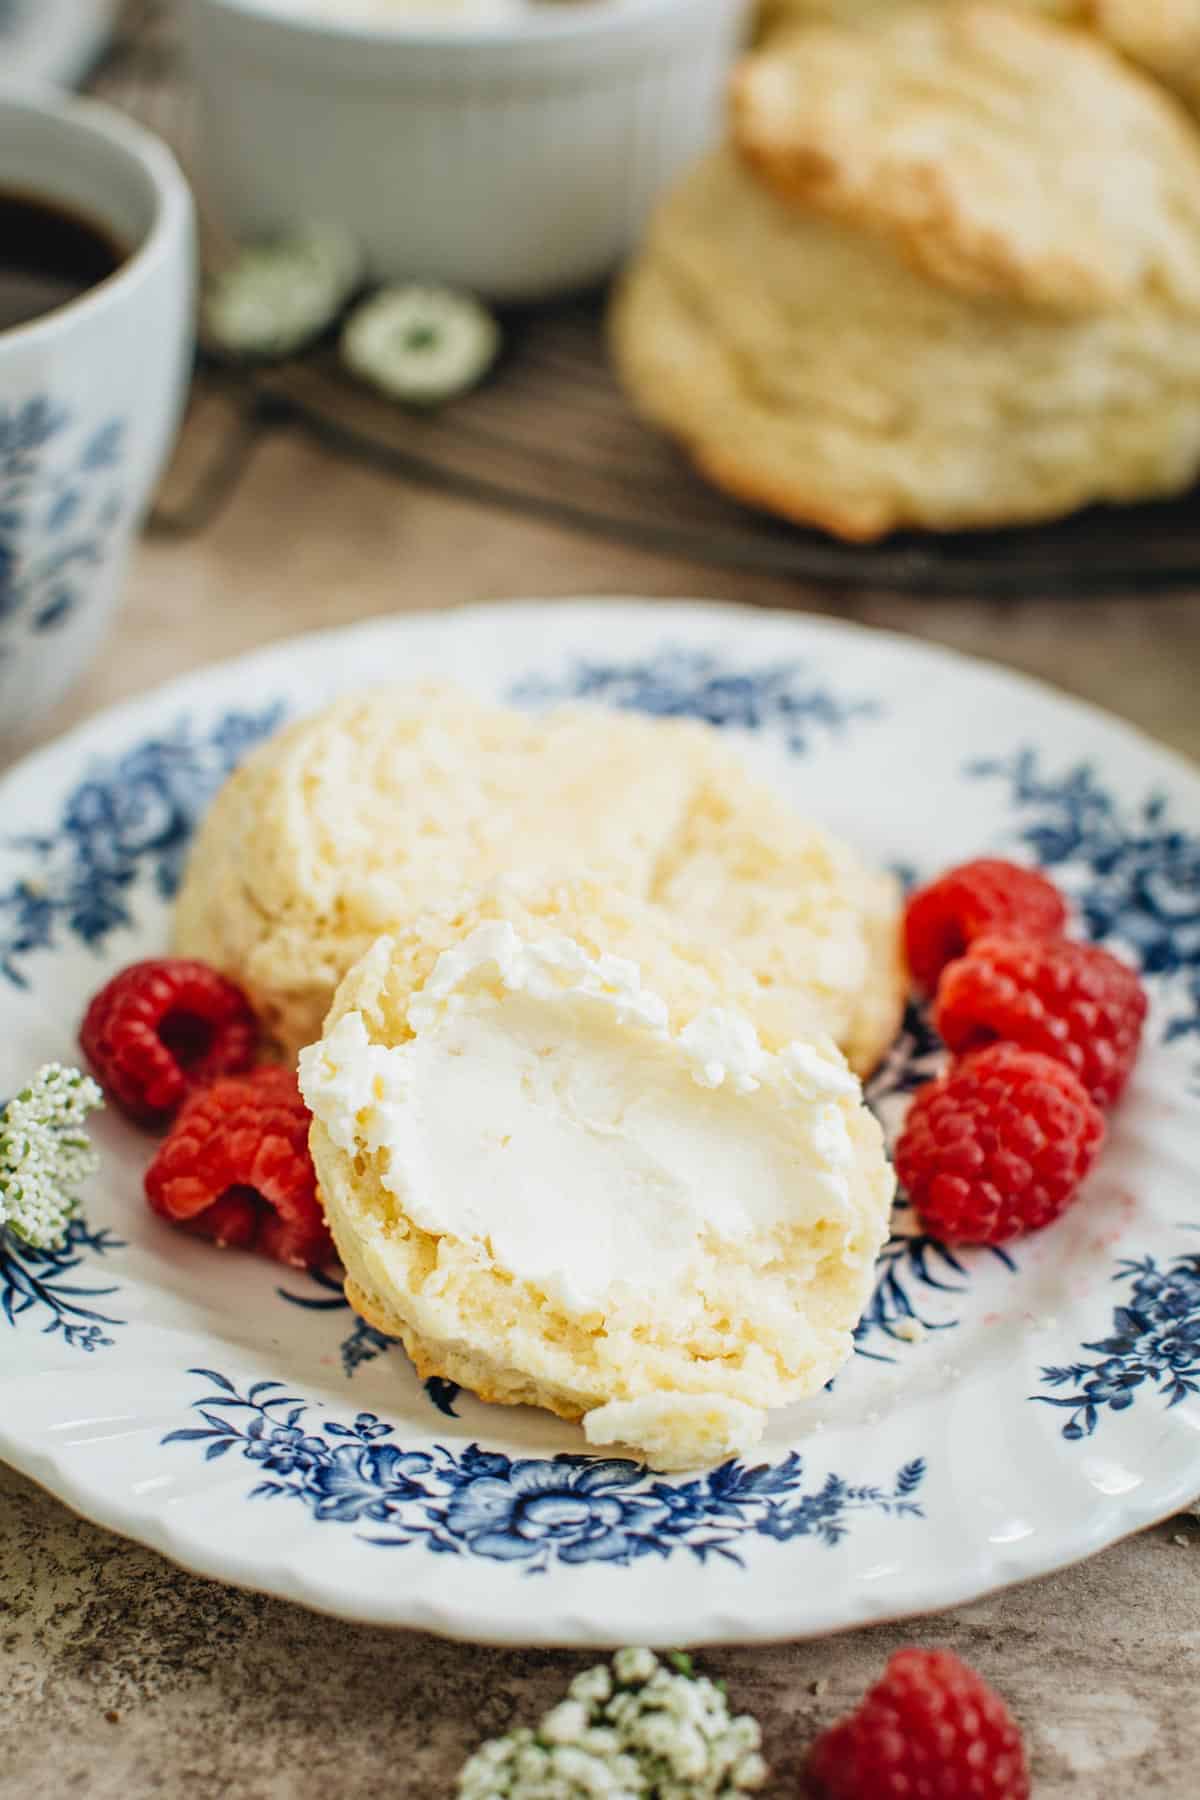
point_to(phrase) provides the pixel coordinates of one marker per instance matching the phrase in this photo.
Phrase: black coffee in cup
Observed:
(49, 254)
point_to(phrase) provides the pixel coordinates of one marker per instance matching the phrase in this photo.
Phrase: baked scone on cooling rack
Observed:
(349, 822)
(775, 16)
(1000, 154)
(569, 1162)
(946, 276)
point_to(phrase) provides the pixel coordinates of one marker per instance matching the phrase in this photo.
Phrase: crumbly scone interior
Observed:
(347, 824)
(757, 1322)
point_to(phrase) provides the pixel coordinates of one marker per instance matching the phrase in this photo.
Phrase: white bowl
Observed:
(519, 158)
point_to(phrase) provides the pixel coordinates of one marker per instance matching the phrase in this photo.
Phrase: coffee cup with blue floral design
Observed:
(91, 389)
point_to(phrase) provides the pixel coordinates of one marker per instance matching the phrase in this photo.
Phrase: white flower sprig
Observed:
(637, 1732)
(46, 1154)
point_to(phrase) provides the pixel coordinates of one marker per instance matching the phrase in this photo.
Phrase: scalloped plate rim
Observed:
(177, 688)
(1135, 1511)
(573, 1634)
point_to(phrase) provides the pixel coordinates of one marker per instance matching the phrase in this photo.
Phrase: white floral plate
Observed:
(1005, 1414)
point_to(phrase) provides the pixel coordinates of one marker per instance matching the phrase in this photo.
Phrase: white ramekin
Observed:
(519, 159)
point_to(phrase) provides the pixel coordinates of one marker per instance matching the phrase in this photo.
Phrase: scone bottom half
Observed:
(396, 799)
(568, 1164)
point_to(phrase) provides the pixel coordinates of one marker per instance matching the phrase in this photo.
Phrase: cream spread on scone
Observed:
(545, 1108)
(567, 1159)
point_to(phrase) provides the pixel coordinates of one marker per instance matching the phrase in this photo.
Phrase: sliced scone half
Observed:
(569, 1161)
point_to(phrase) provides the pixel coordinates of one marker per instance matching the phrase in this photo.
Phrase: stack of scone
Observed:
(581, 1009)
(946, 273)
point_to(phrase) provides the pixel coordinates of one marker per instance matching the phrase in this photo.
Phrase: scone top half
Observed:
(350, 822)
(569, 1160)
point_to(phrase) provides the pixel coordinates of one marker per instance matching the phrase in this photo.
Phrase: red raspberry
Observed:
(161, 1029)
(998, 1146)
(988, 895)
(1071, 1001)
(929, 1729)
(235, 1167)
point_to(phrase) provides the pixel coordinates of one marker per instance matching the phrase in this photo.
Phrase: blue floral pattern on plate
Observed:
(133, 815)
(529, 1511)
(675, 683)
(56, 514)
(1132, 871)
(1155, 1341)
(34, 1291)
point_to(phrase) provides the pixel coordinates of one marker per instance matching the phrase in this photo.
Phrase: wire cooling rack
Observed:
(550, 433)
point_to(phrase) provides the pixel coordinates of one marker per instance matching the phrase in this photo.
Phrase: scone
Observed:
(350, 822)
(1001, 154)
(568, 1160)
(810, 370)
(776, 16)
(1162, 35)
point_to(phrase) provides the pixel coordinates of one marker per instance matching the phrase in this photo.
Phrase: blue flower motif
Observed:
(25, 429)
(675, 683)
(283, 1448)
(1155, 1341)
(36, 1286)
(579, 1512)
(131, 815)
(1133, 873)
(103, 449)
(530, 1512)
(56, 514)
(366, 1481)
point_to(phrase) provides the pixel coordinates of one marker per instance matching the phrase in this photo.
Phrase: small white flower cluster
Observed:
(45, 1153)
(276, 297)
(641, 1732)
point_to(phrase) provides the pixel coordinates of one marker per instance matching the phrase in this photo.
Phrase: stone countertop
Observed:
(122, 1677)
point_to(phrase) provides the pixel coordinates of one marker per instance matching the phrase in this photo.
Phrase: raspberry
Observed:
(235, 1167)
(929, 1729)
(989, 895)
(161, 1029)
(1071, 1001)
(998, 1146)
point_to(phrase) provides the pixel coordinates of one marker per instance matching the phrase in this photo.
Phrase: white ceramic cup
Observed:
(90, 393)
(517, 156)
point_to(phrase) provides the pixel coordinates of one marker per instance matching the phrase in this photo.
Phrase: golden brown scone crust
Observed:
(784, 15)
(1001, 154)
(1163, 36)
(810, 370)
(350, 822)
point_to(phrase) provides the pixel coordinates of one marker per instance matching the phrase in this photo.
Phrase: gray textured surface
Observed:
(121, 1677)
